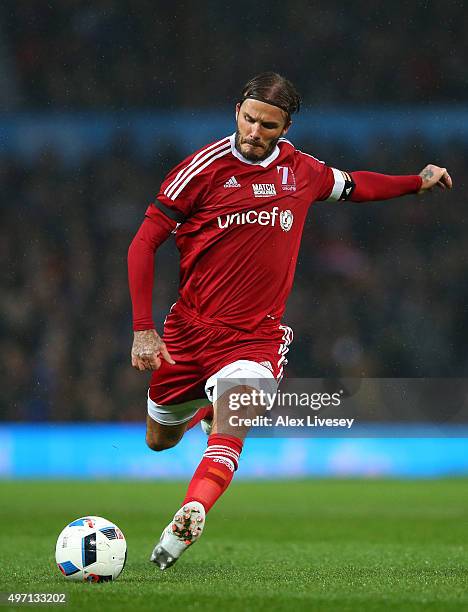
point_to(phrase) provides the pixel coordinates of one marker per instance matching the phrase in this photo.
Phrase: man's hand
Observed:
(148, 350)
(432, 176)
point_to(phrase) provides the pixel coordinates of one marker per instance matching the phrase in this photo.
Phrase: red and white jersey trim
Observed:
(338, 186)
(320, 161)
(264, 163)
(203, 159)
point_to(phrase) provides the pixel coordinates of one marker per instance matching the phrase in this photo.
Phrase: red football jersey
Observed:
(243, 225)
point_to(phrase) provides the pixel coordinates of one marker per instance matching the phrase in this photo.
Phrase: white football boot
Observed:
(183, 531)
(206, 425)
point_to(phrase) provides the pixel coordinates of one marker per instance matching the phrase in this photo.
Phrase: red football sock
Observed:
(215, 471)
(206, 412)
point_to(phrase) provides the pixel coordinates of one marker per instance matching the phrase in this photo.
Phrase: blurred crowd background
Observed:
(380, 288)
(112, 54)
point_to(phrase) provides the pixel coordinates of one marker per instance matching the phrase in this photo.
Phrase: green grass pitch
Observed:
(301, 545)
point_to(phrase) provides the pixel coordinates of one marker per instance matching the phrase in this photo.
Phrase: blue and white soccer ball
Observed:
(91, 549)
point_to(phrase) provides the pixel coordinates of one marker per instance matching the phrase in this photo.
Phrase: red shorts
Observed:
(200, 347)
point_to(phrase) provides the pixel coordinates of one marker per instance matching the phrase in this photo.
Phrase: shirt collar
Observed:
(266, 162)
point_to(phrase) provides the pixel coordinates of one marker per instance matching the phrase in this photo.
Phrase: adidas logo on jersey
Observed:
(263, 190)
(232, 182)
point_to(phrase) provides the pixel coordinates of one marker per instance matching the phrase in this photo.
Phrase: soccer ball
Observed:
(91, 549)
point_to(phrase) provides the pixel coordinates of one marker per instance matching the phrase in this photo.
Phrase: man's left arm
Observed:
(363, 186)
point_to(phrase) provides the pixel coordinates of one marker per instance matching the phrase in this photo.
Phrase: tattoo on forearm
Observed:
(427, 174)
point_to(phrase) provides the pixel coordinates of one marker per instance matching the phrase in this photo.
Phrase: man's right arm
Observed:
(175, 202)
(148, 348)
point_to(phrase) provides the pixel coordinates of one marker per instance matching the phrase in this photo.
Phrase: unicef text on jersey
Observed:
(262, 217)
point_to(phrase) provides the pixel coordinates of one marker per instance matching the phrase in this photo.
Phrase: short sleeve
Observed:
(328, 183)
(183, 187)
(318, 175)
(332, 185)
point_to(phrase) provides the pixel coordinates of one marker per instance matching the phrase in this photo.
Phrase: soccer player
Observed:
(237, 208)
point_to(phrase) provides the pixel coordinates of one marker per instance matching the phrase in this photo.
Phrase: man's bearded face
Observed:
(259, 127)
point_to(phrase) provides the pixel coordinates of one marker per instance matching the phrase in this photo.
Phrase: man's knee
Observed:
(158, 444)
